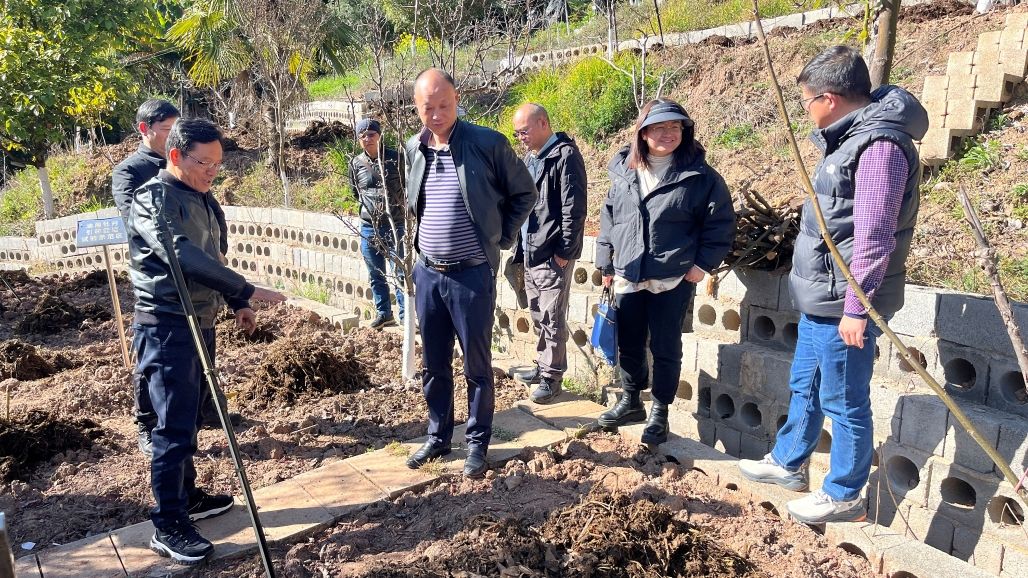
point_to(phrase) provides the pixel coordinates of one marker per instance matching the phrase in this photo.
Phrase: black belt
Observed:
(453, 266)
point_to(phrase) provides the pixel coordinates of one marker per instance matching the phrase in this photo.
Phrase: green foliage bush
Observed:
(588, 99)
(72, 180)
(333, 86)
(684, 15)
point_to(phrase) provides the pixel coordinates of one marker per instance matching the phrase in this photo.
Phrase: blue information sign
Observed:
(97, 232)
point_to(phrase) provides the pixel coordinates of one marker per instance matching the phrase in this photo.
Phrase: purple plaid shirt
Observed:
(881, 179)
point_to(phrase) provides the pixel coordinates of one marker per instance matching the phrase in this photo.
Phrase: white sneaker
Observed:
(767, 471)
(819, 507)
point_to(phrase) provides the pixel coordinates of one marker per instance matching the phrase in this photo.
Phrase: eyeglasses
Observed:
(806, 102)
(520, 133)
(206, 165)
(662, 129)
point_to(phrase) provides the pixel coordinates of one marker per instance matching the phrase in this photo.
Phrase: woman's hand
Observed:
(607, 280)
(695, 275)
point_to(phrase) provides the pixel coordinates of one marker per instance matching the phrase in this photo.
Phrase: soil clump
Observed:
(39, 436)
(54, 315)
(22, 361)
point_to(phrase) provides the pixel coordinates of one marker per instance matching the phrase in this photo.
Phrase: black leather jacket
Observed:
(132, 173)
(198, 240)
(498, 190)
(556, 225)
(366, 180)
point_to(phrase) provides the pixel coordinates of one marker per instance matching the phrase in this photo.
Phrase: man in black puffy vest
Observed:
(867, 185)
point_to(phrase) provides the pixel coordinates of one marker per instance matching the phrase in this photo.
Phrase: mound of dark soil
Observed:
(22, 361)
(605, 534)
(936, 10)
(306, 365)
(39, 437)
(229, 333)
(320, 133)
(53, 315)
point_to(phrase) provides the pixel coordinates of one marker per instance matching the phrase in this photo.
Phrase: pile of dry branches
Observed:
(765, 235)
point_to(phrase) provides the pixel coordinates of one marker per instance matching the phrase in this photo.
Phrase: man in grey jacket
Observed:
(168, 363)
(470, 194)
(550, 241)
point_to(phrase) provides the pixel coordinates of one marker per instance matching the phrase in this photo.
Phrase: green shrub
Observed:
(589, 98)
(685, 15)
(737, 136)
(333, 86)
(983, 156)
(78, 185)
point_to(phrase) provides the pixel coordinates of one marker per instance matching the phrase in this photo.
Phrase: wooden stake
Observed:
(117, 309)
(965, 422)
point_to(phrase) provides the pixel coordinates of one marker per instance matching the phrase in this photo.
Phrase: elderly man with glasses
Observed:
(375, 178)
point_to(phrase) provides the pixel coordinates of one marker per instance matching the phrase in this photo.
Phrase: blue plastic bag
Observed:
(604, 337)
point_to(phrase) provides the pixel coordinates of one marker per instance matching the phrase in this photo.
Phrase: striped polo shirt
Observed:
(445, 231)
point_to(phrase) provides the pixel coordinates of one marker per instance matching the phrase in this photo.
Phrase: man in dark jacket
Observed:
(153, 121)
(375, 178)
(550, 241)
(868, 186)
(168, 363)
(470, 194)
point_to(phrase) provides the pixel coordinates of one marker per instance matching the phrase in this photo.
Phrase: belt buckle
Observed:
(440, 267)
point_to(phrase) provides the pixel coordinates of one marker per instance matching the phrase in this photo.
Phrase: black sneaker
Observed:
(145, 440)
(548, 389)
(203, 505)
(182, 543)
(383, 321)
(527, 377)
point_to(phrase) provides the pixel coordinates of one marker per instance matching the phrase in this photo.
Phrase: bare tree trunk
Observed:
(987, 260)
(48, 193)
(660, 25)
(885, 43)
(280, 151)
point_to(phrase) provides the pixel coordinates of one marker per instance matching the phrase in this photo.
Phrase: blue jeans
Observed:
(830, 379)
(376, 262)
(170, 369)
(457, 305)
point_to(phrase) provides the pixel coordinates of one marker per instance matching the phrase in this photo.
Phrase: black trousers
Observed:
(656, 317)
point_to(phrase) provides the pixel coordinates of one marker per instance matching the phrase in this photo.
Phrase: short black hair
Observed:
(445, 75)
(188, 132)
(156, 110)
(839, 70)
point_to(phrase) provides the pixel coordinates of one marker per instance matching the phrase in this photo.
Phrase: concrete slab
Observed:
(565, 416)
(93, 557)
(27, 567)
(387, 469)
(525, 430)
(338, 488)
(287, 510)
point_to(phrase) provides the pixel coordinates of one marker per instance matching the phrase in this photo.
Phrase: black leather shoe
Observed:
(429, 451)
(475, 465)
(655, 432)
(629, 409)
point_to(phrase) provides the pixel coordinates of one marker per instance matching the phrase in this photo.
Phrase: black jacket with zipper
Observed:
(556, 225)
(371, 189)
(498, 190)
(131, 173)
(198, 242)
(687, 220)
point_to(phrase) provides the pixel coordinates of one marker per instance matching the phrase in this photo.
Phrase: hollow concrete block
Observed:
(975, 322)
(964, 371)
(907, 470)
(960, 494)
(765, 373)
(982, 552)
(1007, 387)
(923, 424)
(962, 450)
(1013, 443)
(771, 328)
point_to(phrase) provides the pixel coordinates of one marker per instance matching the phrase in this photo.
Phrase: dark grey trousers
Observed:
(548, 287)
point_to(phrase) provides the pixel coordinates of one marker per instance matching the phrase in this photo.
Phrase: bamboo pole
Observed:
(966, 423)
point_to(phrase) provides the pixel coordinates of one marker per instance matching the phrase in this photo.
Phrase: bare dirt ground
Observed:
(598, 506)
(69, 465)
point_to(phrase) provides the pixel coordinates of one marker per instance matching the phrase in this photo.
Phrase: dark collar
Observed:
(150, 154)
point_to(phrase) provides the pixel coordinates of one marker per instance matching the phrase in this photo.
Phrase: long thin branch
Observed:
(966, 423)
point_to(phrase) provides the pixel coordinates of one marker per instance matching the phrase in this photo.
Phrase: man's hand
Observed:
(851, 329)
(246, 320)
(260, 294)
(607, 280)
(695, 275)
(560, 261)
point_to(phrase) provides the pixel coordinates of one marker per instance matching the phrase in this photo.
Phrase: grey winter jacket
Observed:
(197, 239)
(132, 173)
(557, 223)
(367, 182)
(686, 220)
(817, 288)
(498, 190)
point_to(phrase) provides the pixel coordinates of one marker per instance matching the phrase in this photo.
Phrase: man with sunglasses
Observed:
(867, 184)
(375, 178)
(168, 364)
(470, 194)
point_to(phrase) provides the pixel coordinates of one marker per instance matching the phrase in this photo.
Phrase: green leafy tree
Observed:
(59, 68)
